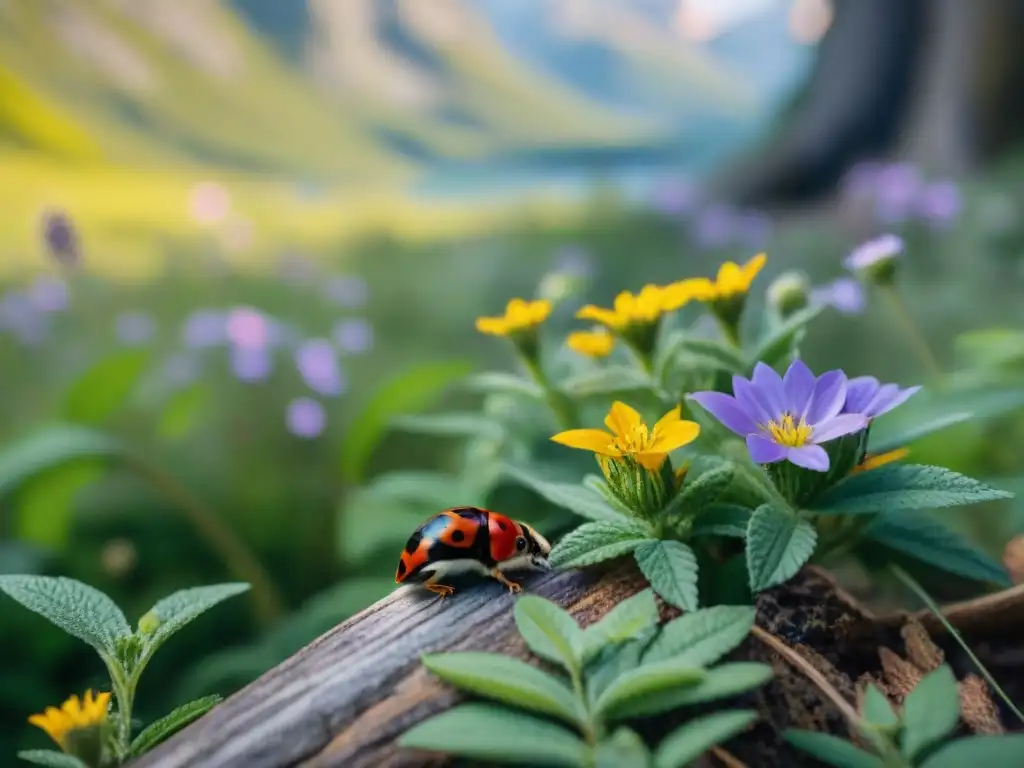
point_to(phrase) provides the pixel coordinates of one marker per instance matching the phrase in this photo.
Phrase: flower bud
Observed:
(640, 489)
(149, 623)
(789, 293)
(875, 261)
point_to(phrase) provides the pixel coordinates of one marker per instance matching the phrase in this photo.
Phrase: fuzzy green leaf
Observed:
(505, 679)
(705, 490)
(832, 750)
(80, 610)
(447, 424)
(102, 389)
(993, 751)
(623, 749)
(781, 339)
(702, 637)
(670, 567)
(931, 711)
(778, 545)
(615, 380)
(723, 520)
(549, 631)
(631, 689)
(51, 758)
(482, 732)
(899, 487)
(625, 621)
(596, 542)
(721, 682)
(171, 723)
(688, 742)
(576, 498)
(178, 609)
(920, 536)
(877, 709)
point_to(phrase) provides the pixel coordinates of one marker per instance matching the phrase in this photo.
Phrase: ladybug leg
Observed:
(438, 589)
(512, 586)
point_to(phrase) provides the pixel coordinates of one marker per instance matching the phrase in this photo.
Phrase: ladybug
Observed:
(470, 540)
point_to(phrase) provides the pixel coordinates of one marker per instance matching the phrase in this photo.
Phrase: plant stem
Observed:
(239, 560)
(920, 591)
(913, 331)
(561, 406)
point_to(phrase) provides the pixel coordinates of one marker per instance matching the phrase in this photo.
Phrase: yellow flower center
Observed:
(787, 431)
(635, 440)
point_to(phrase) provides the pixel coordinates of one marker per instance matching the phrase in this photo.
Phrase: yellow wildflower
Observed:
(631, 310)
(628, 436)
(732, 280)
(74, 715)
(519, 316)
(874, 462)
(597, 343)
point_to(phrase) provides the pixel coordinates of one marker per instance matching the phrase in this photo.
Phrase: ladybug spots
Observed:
(455, 534)
(401, 570)
(413, 543)
(502, 525)
(458, 536)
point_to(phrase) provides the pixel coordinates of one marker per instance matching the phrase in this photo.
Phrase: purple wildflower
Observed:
(876, 251)
(250, 363)
(60, 238)
(754, 229)
(247, 327)
(49, 294)
(204, 328)
(305, 417)
(714, 227)
(899, 187)
(134, 328)
(786, 418)
(353, 336)
(939, 203)
(318, 366)
(844, 294)
(867, 396)
(673, 197)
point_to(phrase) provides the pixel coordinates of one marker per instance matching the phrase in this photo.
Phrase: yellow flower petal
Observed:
(622, 419)
(874, 462)
(650, 460)
(606, 317)
(753, 267)
(493, 326)
(595, 440)
(591, 343)
(672, 416)
(675, 435)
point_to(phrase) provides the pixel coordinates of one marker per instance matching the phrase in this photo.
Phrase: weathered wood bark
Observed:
(344, 699)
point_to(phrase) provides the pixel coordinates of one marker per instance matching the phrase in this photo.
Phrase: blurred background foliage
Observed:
(241, 237)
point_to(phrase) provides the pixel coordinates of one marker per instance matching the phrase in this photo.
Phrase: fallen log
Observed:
(346, 698)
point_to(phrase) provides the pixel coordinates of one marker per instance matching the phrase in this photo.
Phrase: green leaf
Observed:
(600, 487)
(832, 750)
(778, 545)
(51, 758)
(178, 609)
(623, 749)
(46, 503)
(719, 683)
(80, 610)
(412, 390)
(433, 489)
(498, 381)
(51, 447)
(549, 631)
(993, 751)
(782, 338)
(898, 487)
(97, 393)
(920, 536)
(182, 412)
(596, 542)
(723, 520)
(885, 437)
(931, 711)
(682, 348)
(505, 679)
(576, 498)
(625, 621)
(706, 489)
(447, 424)
(688, 742)
(631, 689)
(702, 637)
(615, 380)
(670, 567)
(877, 709)
(482, 732)
(170, 724)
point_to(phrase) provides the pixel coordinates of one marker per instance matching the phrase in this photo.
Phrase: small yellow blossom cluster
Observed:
(75, 715)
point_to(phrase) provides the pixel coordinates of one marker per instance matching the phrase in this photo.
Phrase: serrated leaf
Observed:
(899, 487)
(178, 609)
(549, 631)
(97, 393)
(723, 520)
(704, 490)
(778, 545)
(505, 679)
(877, 709)
(670, 567)
(688, 742)
(596, 542)
(631, 689)
(782, 338)
(447, 424)
(625, 621)
(832, 750)
(80, 610)
(719, 683)
(499, 381)
(171, 723)
(702, 637)
(615, 380)
(918, 535)
(623, 749)
(884, 438)
(484, 732)
(51, 758)
(998, 750)
(931, 711)
(576, 498)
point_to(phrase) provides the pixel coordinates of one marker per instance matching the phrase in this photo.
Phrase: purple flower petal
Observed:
(799, 384)
(859, 393)
(752, 400)
(889, 396)
(828, 399)
(727, 410)
(809, 457)
(843, 424)
(763, 450)
(768, 381)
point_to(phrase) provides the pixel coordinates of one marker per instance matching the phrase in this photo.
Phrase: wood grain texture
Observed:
(346, 697)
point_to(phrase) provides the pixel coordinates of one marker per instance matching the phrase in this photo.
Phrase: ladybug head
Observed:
(532, 548)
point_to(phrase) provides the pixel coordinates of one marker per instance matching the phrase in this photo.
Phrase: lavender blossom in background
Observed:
(20, 318)
(134, 328)
(61, 238)
(674, 197)
(250, 364)
(347, 291)
(305, 418)
(940, 204)
(354, 336)
(874, 252)
(897, 193)
(867, 396)
(845, 294)
(713, 227)
(318, 365)
(247, 327)
(49, 294)
(204, 328)
(754, 229)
